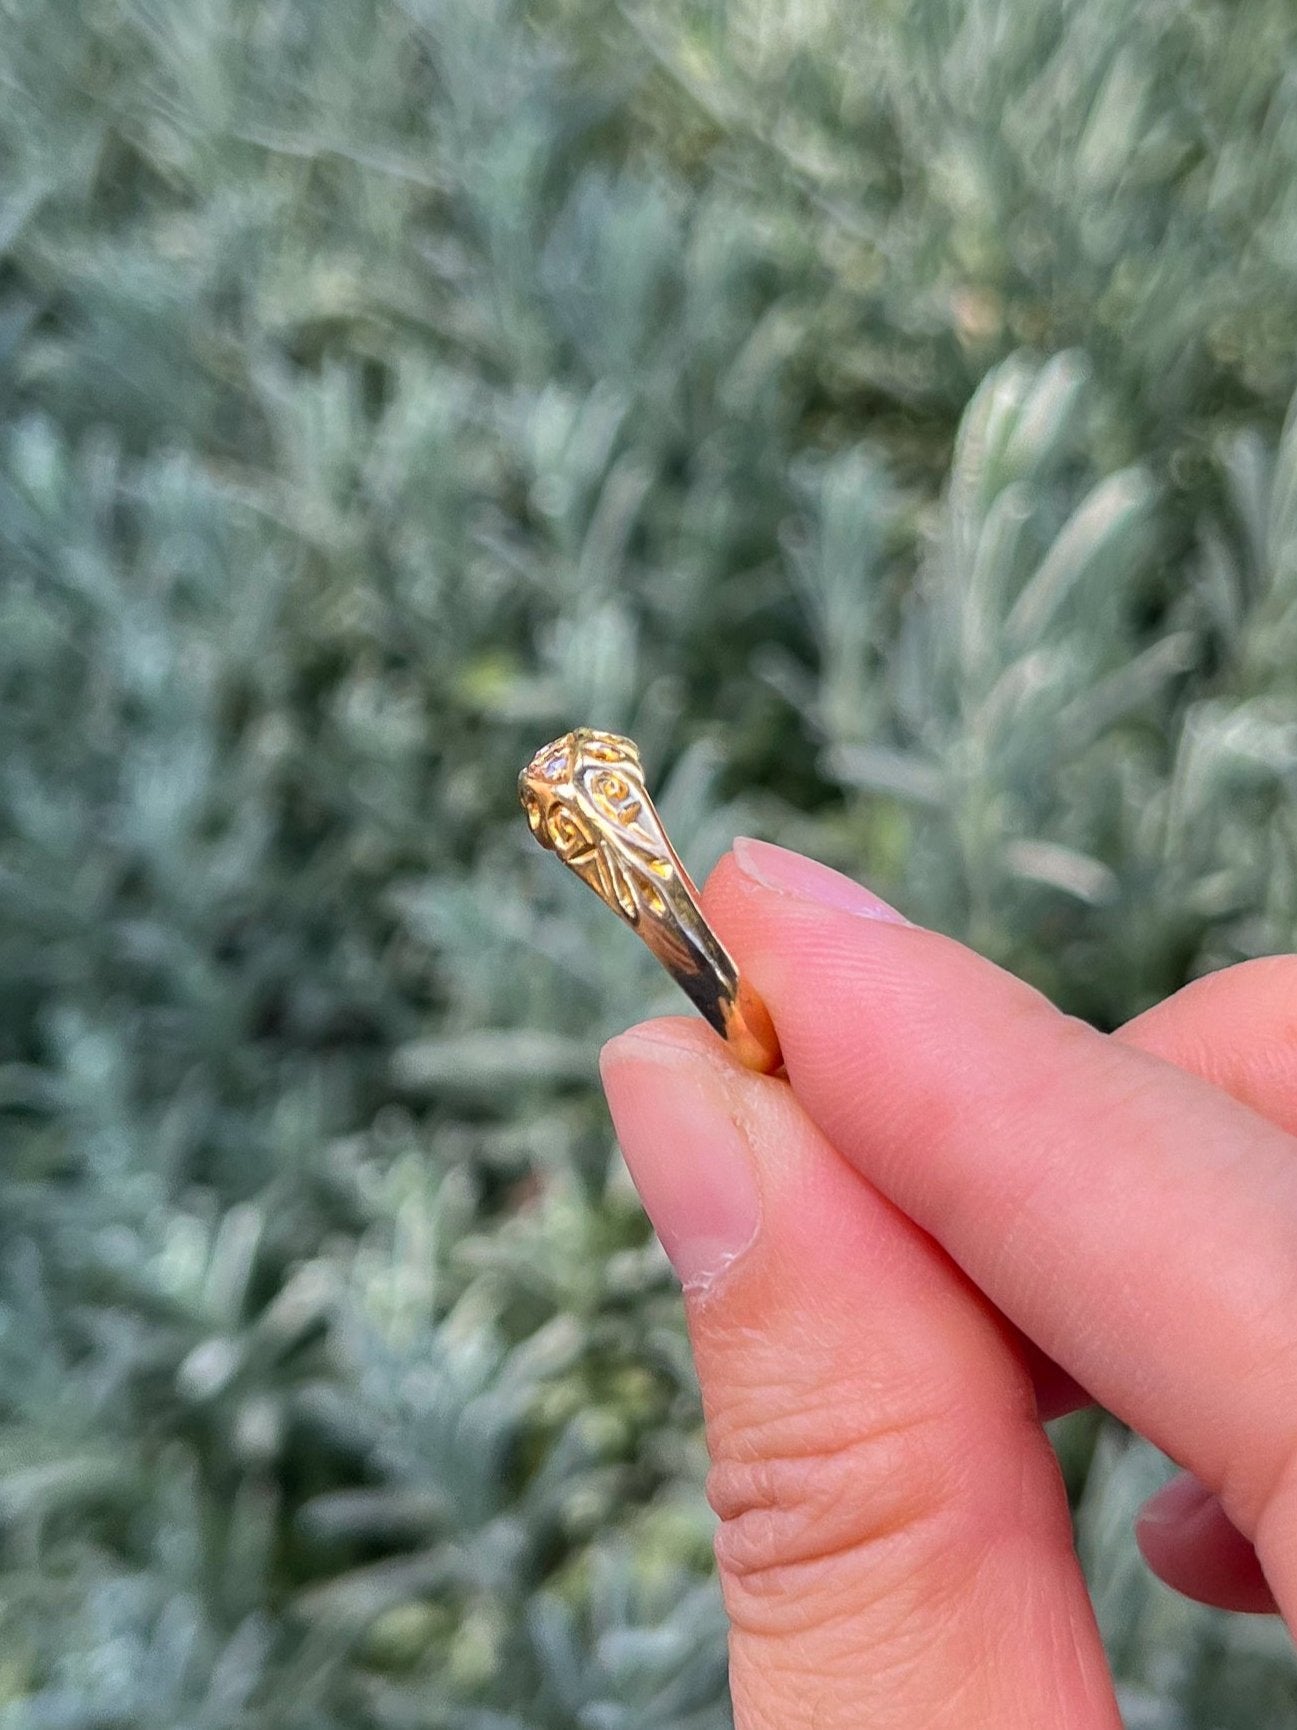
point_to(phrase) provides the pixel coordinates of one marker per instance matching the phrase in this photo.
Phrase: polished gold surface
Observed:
(585, 799)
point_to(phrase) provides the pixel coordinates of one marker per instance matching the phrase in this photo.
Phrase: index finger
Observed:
(1133, 1220)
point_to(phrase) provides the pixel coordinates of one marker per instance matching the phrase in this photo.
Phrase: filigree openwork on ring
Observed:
(586, 801)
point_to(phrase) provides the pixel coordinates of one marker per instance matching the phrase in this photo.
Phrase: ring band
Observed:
(585, 799)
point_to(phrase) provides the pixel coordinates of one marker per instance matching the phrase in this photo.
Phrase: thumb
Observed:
(894, 1543)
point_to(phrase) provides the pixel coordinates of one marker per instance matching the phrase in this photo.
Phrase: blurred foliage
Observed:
(883, 415)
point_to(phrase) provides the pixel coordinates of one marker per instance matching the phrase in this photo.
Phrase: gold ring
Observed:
(585, 799)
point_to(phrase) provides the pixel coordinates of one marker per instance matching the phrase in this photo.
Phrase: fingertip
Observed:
(786, 872)
(1188, 1541)
(662, 1034)
(762, 867)
(818, 946)
(722, 886)
(689, 1158)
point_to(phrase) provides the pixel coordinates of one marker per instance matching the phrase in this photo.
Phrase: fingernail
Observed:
(1176, 1503)
(793, 874)
(690, 1161)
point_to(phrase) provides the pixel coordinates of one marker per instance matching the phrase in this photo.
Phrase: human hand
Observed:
(965, 1212)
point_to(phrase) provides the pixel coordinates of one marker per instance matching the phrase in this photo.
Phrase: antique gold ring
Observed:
(585, 798)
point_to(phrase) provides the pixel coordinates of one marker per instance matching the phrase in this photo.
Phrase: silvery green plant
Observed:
(884, 417)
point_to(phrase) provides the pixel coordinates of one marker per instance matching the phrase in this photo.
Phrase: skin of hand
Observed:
(962, 1212)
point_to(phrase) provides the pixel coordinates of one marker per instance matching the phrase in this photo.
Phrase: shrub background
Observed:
(880, 413)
